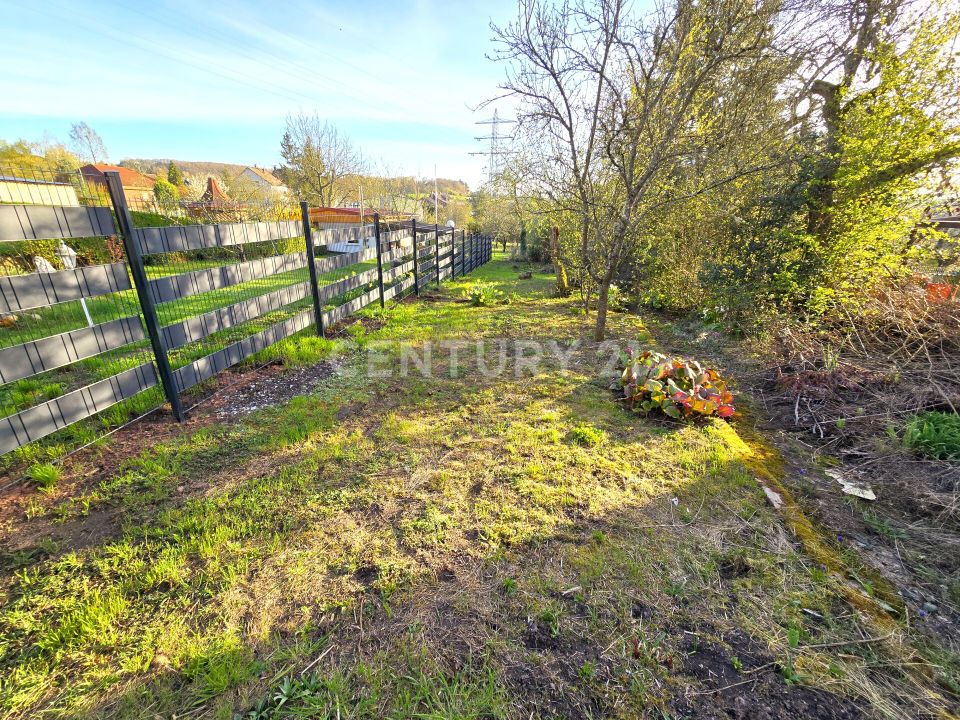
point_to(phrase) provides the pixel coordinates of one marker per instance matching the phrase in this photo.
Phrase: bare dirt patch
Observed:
(738, 680)
(271, 385)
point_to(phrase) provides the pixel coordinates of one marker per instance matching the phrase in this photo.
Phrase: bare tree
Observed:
(87, 143)
(623, 108)
(317, 158)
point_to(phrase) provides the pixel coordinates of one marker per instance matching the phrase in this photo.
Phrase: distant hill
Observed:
(192, 167)
(202, 169)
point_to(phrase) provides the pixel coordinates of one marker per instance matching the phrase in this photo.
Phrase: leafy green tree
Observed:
(174, 175)
(166, 195)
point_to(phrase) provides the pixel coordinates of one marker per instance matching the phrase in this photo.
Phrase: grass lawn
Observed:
(454, 546)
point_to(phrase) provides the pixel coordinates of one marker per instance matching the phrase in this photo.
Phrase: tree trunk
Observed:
(820, 199)
(603, 296)
(563, 284)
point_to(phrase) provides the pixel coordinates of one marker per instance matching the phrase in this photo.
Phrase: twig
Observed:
(721, 689)
(319, 657)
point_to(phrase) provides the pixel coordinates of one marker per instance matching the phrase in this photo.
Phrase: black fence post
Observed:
(463, 251)
(453, 254)
(140, 282)
(416, 257)
(312, 262)
(436, 257)
(376, 234)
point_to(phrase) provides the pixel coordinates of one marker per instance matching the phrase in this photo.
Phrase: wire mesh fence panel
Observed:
(219, 281)
(221, 285)
(397, 249)
(72, 340)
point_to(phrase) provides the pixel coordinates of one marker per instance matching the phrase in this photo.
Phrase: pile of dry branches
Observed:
(853, 383)
(862, 375)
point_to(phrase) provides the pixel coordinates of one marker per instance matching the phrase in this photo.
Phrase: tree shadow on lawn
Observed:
(448, 531)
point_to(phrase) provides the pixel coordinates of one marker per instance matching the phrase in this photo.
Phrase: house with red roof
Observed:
(137, 187)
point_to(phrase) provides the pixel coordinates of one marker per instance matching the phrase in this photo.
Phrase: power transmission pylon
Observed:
(497, 150)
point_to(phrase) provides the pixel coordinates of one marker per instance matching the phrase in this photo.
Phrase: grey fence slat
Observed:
(179, 238)
(333, 236)
(41, 420)
(339, 313)
(200, 326)
(397, 271)
(39, 222)
(398, 288)
(335, 262)
(47, 353)
(395, 255)
(328, 292)
(208, 366)
(24, 292)
(173, 287)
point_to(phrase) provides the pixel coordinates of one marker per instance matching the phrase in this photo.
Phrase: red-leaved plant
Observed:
(679, 387)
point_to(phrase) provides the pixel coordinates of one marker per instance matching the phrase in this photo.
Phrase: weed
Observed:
(882, 526)
(509, 586)
(45, 476)
(550, 616)
(587, 435)
(588, 671)
(358, 333)
(934, 434)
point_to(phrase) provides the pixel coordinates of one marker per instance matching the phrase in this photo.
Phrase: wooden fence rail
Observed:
(255, 292)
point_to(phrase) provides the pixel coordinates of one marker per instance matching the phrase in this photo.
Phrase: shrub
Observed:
(678, 387)
(934, 434)
(166, 194)
(617, 300)
(481, 293)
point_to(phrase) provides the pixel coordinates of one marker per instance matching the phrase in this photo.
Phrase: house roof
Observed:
(214, 193)
(267, 176)
(128, 178)
(350, 215)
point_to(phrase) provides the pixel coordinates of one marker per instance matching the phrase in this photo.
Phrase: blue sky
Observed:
(214, 81)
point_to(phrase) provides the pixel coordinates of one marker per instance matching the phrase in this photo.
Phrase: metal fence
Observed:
(95, 310)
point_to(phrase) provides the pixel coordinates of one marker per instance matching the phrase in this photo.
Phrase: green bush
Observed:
(678, 387)
(481, 293)
(617, 300)
(167, 196)
(934, 434)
